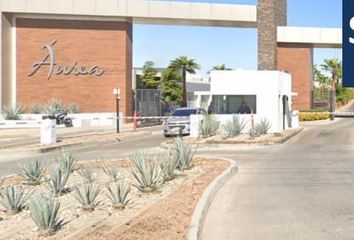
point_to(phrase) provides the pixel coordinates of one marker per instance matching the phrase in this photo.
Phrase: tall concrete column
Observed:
(270, 15)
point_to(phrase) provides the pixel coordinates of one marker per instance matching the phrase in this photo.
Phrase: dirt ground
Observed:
(169, 218)
(164, 214)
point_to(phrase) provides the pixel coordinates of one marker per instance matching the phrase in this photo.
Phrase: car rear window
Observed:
(184, 112)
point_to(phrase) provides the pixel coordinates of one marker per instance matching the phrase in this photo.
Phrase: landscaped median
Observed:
(148, 196)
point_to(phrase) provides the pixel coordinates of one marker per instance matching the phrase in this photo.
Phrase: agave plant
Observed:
(234, 127)
(67, 162)
(57, 181)
(86, 195)
(111, 172)
(209, 126)
(87, 175)
(44, 212)
(37, 109)
(184, 153)
(13, 198)
(33, 172)
(262, 127)
(72, 108)
(13, 112)
(147, 172)
(169, 165)
(118, 195)
(54, 106)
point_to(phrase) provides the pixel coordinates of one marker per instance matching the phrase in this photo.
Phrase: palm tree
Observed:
(334, 67)
(221, 67)
(183, 64)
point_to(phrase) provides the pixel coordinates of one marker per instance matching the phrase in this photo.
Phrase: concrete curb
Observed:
(202, 208)
(167, 145)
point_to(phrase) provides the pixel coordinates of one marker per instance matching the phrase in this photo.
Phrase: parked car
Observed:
(179, 122)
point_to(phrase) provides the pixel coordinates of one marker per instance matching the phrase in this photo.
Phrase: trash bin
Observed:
(48, 132)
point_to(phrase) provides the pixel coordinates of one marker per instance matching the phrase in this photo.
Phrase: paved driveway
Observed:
(303, 189)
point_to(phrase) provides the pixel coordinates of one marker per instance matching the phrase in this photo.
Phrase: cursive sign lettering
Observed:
(49, 61)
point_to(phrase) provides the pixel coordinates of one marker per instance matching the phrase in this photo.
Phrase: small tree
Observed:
(171, 86)
(184, 65)
(221, 67)
(149, 76)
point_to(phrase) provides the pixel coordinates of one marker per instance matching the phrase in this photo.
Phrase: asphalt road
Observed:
(10, 161)
(303, 189)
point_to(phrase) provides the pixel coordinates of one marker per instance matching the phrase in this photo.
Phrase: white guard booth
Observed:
(267, 94)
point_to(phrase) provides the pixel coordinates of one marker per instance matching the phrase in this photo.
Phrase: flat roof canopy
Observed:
(143, 11)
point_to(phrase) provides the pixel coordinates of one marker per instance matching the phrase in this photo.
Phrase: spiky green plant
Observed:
(262, 127)
(87, 175)
(37, 109)
(112, 172)
(184, 154)
(252, 133)
(87, 195)
(13, 112)
(147, 172)
(13, 198)
(54, 106)
(57, 181)
(234, 127)
(118, 195)
(67, 162)
(209, 126)
(33, 172)
(169, 165)
(44, 212)
(72, 108)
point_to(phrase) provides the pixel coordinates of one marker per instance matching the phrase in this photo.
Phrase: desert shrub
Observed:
(57, 181)
(13, 112)
(118, 195)
(234, 127)
(87, 175)
(44, 212)
(184, 154)
(13, 198)
(37, 109)
(209, 126)
(146, 172)
(169, 165)
(87, 195)
(54, 107)
(67, 162)
(72, 108)
(313, 116)
(262, 127)
(33, 172)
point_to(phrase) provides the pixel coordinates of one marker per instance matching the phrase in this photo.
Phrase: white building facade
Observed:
(251, 94)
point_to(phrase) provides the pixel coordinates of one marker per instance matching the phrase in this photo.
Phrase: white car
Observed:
(179, 122)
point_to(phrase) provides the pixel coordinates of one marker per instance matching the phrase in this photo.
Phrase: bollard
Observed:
(252, 119)
(48, 132)
(135, 121)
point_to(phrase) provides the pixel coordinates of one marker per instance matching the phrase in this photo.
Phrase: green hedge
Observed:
(313, 116)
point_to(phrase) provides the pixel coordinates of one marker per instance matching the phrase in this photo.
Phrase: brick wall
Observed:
(107, 44)
(298, 61)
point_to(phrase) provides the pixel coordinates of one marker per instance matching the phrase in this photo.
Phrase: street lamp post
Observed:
(116, 92)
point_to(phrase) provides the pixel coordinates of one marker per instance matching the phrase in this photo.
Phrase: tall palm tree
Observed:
(221, 67)
(184, 65)
(334, 67)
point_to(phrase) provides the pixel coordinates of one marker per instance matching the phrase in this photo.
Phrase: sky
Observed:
(235, 47)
